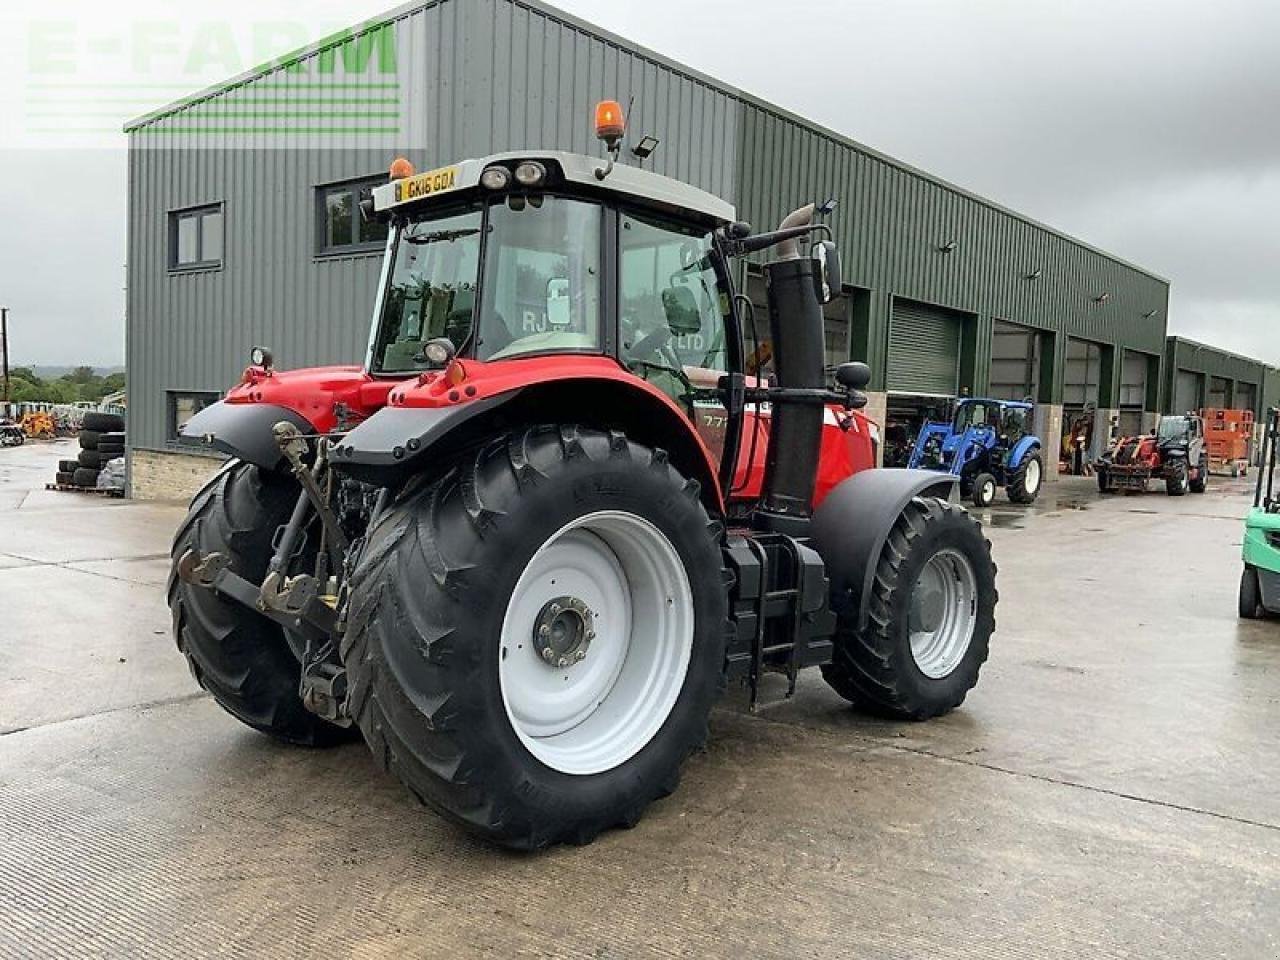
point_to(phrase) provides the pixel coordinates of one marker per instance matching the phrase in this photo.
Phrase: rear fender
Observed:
(851, 526)
(400, 441)
(1023, 449)
(243, 430)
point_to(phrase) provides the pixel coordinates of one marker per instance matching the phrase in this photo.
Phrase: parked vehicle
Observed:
(513, 551)
(1227, 438)
(986, 445)
(1260, 580)
(1175, 453)
(11, 434)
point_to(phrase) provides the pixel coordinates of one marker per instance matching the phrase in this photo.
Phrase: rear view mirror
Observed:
(558, 302)
(681, 309)
(826, 257)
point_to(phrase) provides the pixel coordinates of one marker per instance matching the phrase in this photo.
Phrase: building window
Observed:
(195, 238)
(341, 228)
(183, 405)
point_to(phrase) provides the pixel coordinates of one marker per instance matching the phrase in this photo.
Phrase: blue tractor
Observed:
(987, 444)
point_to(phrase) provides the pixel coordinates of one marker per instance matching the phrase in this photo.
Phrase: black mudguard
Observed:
(394, 441)
(244, 430)
(851, 525)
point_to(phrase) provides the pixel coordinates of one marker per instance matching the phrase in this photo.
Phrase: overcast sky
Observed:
(1150, 129)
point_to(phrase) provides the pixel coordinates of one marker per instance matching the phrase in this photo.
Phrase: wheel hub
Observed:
(563, 630)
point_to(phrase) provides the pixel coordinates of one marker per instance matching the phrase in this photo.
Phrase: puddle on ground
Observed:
(1005, 521)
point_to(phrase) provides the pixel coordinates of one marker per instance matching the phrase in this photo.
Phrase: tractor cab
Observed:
(543, 267)
(1179, 432)
(521, 256)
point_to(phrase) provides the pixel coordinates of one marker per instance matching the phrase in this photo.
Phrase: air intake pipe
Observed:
(795, 432)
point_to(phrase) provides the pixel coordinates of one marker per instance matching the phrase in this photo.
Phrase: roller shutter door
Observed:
(1218, 388)
(1246, 397)
(1186, 391)
(1015, 361)
(924, 350)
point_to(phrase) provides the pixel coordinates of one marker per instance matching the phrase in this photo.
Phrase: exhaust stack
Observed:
(795, 433)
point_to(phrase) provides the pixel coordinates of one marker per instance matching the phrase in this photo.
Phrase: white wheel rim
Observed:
(988, 491)
(944, 611)
(1031, 483)
(632, 615)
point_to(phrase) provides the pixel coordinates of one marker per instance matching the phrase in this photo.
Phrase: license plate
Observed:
(426, 184)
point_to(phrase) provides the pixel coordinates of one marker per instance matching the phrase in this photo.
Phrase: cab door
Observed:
(673, 317)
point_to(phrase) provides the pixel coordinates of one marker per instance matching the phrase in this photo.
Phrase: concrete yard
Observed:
(1109, 790)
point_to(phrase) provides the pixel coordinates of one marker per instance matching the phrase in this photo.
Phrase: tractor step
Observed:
(779, 608)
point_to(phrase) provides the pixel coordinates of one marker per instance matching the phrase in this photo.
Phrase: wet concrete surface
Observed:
(1108, 790)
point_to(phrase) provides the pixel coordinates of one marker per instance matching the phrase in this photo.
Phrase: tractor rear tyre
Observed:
(1202, 477)
(1024, 485)
(66, 478)
(238, 655)
(1250, 595)
(1175, 480)
(931, 616)
(984, 490)
(89, 439)
(85, 477)
(536, 639)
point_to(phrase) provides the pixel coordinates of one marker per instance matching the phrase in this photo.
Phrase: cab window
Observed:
(431, 291)
(671, 312)
(541, 278)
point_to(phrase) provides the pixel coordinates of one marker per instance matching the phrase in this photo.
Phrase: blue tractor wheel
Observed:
(1024, 485)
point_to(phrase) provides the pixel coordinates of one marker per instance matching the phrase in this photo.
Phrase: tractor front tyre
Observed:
(1024, 485)
(1104, 481)
(984, 490)
(1250, 595)
(236, 654)
(931, 616)
(536, 639)
(1202, 476)
(1175, 479)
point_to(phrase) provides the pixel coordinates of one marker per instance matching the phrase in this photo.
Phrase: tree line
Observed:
(83, 384)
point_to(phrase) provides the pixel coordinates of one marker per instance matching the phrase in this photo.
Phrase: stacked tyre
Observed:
(101, 441)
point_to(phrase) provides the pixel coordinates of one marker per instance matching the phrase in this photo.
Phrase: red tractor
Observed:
(1175, 453)
(525, 546)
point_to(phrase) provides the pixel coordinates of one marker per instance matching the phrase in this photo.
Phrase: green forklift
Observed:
(1260, 582)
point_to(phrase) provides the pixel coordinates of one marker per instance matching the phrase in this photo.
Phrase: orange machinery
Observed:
(1227, 435)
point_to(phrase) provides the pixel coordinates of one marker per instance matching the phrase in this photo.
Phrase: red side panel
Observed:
(845, 450)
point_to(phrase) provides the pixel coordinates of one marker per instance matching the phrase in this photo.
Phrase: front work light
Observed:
(438, 351)
(531, 174)
(261, 357)
(495, 178)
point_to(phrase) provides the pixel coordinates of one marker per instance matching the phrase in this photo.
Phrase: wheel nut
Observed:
(544, 631)
(547, 654)
(555, 608)
(580, 655)
(562, 662)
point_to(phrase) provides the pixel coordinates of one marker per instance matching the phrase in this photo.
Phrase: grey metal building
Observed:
(242, 226)
(1198, 375)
